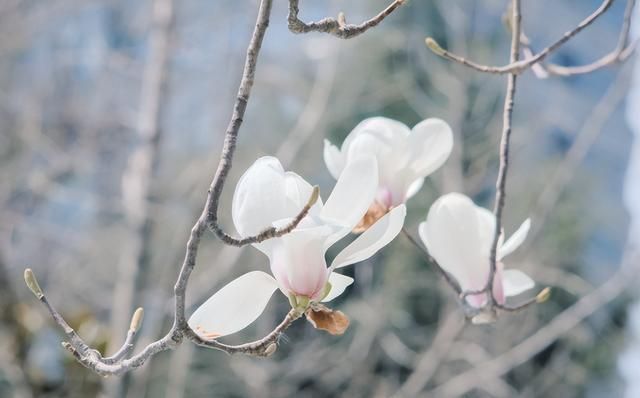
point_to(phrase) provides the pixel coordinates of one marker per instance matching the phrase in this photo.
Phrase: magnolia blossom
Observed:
(459, 235)
(266, 195)
(405, 157)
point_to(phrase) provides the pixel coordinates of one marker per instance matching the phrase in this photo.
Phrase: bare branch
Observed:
(271, 232)
(261, 348)
(507, 120)
(619, 54)
(127, 346)
(336, 27)
(517, 67)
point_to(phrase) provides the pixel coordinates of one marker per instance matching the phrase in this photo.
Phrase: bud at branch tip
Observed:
(434, 46)
(136, 320)
(314, 196)
(543, 295)
(32, 283)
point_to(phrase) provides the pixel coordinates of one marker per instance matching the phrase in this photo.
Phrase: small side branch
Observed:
(620, 53)
(271, 232)
(517, 67)
(127, 346)
(336, 27)
(264, 347)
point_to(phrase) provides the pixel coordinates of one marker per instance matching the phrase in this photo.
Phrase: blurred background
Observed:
(112, 115)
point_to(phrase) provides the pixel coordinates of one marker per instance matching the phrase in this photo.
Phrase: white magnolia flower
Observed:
(405, 157)
(267, 195)
(459, 235)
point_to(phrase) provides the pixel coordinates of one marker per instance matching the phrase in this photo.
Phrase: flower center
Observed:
(376, 211)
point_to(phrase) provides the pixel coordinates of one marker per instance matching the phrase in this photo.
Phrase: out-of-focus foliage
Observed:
(70, 82)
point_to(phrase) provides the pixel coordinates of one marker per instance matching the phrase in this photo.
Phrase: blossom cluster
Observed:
(381, 164)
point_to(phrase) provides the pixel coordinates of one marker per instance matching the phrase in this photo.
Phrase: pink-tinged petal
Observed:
(334, 159)
(515, 240)
(373, 239)
(430, 143)
(353, 193)
(477, 300)
(235, 306)
(516, 282)
(339, 283)
(298, 263)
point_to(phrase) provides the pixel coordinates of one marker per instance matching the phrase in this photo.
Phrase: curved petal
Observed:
(451, 236)
(339, 283)
(353, 193)
(235, 306)
(516, 282)
(515, 240)
(298, 262)
(414, 187)
(333, 158)
(260, 197)
(391, 130)
(430, 143)
(486, 227)
(373, 239)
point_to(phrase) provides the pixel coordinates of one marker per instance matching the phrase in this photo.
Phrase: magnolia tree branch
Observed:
(336, 27)
(120, 362)
(517, 67)
(619, 54)
(507, 121)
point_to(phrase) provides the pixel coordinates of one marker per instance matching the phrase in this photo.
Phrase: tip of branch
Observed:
(136, 320)
(32, 283)
(342, 20)
(314, 196)
(543, 295)
(434, 46)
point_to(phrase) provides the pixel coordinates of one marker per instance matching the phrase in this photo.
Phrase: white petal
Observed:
(516, 282)
(414, 188)
(373, 239)
(298, 261)
(515, 240)
(486, 227)
(339, 283)
(391, 130)
(353, 193)
(451, 235)
(333, 158)
(298, 191)
(260, 197)
(430, 143)
(235, 306)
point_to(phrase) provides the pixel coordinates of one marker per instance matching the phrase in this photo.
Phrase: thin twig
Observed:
(517, 67)
(619, 54)
(264, 347)
(336, 27)
(507, 120)
(210, 214)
